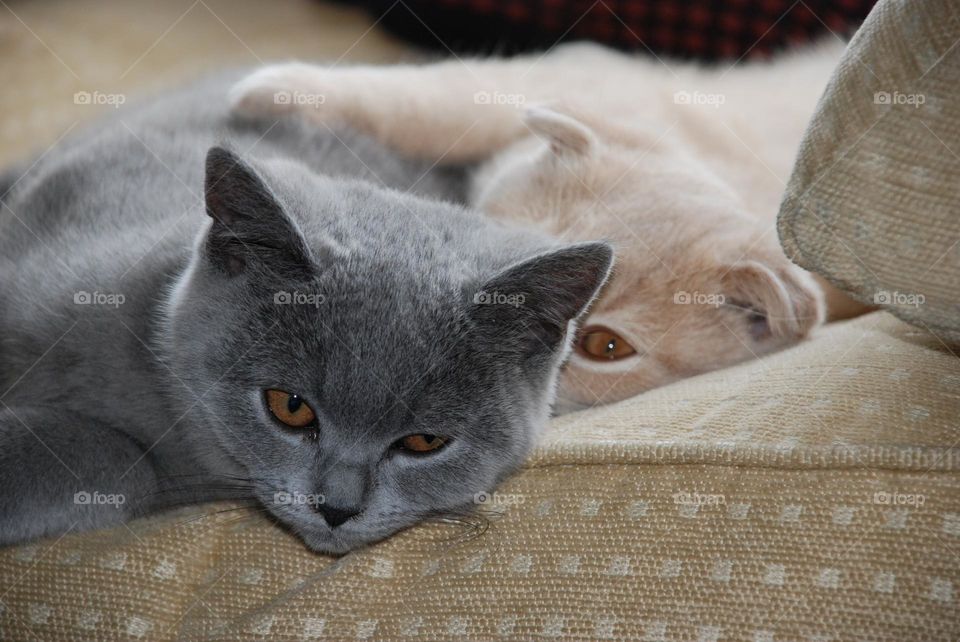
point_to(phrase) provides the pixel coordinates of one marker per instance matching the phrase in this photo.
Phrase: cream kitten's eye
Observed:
(290, 409)
(602, 344)
(421, 443)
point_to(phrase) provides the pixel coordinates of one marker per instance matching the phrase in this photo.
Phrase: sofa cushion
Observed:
(874, 200)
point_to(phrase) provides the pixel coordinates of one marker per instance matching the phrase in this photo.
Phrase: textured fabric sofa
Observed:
(810, 495)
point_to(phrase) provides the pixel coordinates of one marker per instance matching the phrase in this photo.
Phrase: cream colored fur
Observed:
(682, 167)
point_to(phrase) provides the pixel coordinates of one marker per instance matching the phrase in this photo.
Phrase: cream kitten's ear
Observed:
(565, 134)
(789, 300)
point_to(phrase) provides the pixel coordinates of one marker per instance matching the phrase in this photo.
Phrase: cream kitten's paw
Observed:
(282, 88)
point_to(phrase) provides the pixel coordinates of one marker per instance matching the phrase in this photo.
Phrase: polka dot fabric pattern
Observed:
(811, 495)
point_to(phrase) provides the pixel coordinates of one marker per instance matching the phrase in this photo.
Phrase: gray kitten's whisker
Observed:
(243, 491)
(252, 510)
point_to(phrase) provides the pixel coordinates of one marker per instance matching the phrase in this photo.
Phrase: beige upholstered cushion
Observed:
(812, 493)
(874, 200)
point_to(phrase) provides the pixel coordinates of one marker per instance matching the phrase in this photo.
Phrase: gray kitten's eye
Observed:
(421, 443)
(289, 409)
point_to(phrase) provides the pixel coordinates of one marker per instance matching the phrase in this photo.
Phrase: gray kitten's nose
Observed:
(336, 515)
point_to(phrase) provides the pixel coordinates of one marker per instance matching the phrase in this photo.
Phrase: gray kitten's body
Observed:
(152, 392)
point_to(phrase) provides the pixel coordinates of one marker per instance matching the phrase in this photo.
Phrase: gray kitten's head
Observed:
(367, 359)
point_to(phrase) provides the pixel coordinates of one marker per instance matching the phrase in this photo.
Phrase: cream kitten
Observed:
(680, 166)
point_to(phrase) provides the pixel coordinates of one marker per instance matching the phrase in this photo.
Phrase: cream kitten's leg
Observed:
(454, 110)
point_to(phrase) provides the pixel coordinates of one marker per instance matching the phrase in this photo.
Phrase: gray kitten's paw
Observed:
(278, 89)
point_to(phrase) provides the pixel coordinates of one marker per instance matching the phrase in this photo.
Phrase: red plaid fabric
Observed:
(700, 29)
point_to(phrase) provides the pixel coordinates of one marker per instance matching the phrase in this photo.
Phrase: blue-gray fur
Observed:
(158, 400)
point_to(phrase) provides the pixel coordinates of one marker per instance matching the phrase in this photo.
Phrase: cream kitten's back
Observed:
(682, 166)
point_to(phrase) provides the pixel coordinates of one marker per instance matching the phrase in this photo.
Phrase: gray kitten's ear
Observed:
(249, 225)
(535, 300)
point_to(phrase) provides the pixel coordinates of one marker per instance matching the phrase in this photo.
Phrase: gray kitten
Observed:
(194, 307)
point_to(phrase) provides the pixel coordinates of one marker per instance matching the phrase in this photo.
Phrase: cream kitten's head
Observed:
(700, 283)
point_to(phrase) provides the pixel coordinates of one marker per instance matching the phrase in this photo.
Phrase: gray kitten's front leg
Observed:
(61, 472)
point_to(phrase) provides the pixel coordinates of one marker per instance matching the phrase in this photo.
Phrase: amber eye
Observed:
(422, 443)
(290, 409)
(599, 343)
